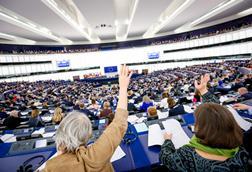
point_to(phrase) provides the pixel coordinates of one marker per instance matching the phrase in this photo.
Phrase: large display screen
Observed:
(63, 63)
(110, 69)
(153, 55)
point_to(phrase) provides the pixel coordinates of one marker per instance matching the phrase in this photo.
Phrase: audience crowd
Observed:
(219, 143)
(168, 40)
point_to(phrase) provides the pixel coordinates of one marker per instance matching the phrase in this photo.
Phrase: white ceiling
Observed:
(123, 19)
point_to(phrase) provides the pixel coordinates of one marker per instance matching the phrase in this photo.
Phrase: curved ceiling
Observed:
(65, 22)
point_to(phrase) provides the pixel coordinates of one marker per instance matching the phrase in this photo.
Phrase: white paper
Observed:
(179, 137)
(162, 115)
(188, 109)
(50, 134)
(10, 140)
(140, 120)
(118, 154)
(25, 122)
(24, 113)
(132, 119)
(40, 131)
(245, 125)
(41, 143)
(155, 135)
(46, 118)
(141, 127)
(7, 138)
(51, 111)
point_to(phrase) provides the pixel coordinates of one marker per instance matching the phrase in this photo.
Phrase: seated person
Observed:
(106, 110)
(35, 119)
(146, 103)
(216, 145)
(247, 136)
(57, 116)
(174, 108)
(163, 103)
(12, 121)
(244, 93)
(87, 112)
(94, 105)
(74, 131)
(3, 113)
(152, 112)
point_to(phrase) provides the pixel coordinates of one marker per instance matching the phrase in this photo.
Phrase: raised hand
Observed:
(124, 77)
(202, 86)
(241, 106)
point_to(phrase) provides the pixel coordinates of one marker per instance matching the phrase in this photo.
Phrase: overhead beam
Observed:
(16, 39)
(124, 12)
(20, 21)
(168, 15)
(223, 6)
(69, 12)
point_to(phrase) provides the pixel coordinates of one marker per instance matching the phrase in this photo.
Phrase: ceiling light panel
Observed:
(69, 12)
(124, 12)
(167, 16)
(16, 39)
(20, 21)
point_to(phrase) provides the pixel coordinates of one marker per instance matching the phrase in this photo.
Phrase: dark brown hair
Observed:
(171, 102)
(165, 95)
(216, 127)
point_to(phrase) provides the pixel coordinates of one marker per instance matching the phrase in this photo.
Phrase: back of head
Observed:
(152, 111)
(171, 102)
(165, 95)
(216, 127)
(106, 105)
(81, 105)
(93, 101)
(146, 99)
(35, 113)
(74, 130)
(242, 90)
(57, 117)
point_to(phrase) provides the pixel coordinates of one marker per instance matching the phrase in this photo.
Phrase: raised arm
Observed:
(102, 150)
(202, 87)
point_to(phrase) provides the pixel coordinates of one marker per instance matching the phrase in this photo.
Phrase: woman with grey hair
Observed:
(75, 130)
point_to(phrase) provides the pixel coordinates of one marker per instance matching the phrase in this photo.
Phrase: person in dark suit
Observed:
(245, 94)
(106, 110)
(175, 109)
(87, 112)
(12, 121)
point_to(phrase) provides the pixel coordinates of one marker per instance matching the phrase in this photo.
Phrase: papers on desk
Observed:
(50, 134)
(46, 118)
(51, 111)
(162, 115)
(245, 125)
(155, 135)
(24, 113)
(188, 109)
(179, 137)
(41, 143)
(8, 138)
(118, 154)
(40, 131)
(141, 127)
(133, 119)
